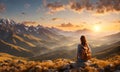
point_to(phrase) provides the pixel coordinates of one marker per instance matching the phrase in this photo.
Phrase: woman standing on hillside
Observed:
(83, 51)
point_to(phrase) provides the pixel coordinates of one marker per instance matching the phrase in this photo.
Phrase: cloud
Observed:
(116, 21)
(56, 19)
(87, 5)
(69, 25)
(77, 26)
(99, 6)
(80, 6)
(2, 7)
(29, 23)
(27, 5)
(107, 6)
(119, 21)
(75, 6)
(66, 25)
(72, 5)
(55, 7)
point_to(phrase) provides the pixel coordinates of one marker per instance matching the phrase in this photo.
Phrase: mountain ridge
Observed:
(36, 39)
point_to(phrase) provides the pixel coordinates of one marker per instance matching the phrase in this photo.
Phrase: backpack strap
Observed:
(80, 48)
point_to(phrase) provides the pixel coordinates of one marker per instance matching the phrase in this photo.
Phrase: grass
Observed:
(21, 39)
(14, 46)
(31, 37)
(16, 64)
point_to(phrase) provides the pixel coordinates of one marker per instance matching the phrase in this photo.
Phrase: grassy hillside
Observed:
(14, 49)
(9, 63)
(108, 50)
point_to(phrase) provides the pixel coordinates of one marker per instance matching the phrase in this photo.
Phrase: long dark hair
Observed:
(83, 40)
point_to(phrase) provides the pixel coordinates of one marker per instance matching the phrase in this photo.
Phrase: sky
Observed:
(97, 15)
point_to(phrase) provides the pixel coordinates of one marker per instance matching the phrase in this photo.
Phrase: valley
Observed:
(41, 43)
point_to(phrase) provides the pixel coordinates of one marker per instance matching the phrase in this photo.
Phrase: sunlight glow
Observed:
(96, 28)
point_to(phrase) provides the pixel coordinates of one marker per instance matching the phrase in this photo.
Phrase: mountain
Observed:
(7, 21)
(59, 53)
(19, 28)
(112, 38)
(20, 40)
(76, 33)
(36, 39)
(105, 51)
(39, 42)
(43, 43)
(14, 49)
(64, 52)
(83, 31)
(116, 35)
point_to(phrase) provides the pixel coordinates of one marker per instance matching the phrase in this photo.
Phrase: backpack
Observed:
(85, 53)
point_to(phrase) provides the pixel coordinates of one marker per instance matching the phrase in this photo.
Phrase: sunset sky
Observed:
(64, 14)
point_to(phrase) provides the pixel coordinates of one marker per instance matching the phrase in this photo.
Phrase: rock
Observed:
(94, 65)
(13, 69)
(108, 68)
(3, 64)
(7, 61)
(81, 64)
(117, 71)
(51, 70)
(73, 65)
(20, 62)
(100, 69)
(37, 68)
(65, 68)
(118, 67)
(77, 70)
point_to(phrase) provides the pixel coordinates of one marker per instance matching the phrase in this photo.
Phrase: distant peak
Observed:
(7, 21)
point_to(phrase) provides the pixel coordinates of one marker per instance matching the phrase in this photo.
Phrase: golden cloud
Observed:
(108, 6)
(100, 6)
(116, 21)
(80, 6)
(29, 23)
(55, 7)
(68, 25)
(75, 6)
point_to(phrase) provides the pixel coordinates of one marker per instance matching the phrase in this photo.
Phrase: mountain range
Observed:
(40, 43)
(21, 40)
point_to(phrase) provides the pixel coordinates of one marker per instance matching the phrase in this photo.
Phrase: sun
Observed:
(96, 28)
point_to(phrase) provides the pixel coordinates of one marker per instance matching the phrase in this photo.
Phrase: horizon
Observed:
(95, 30)
(68, 15)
